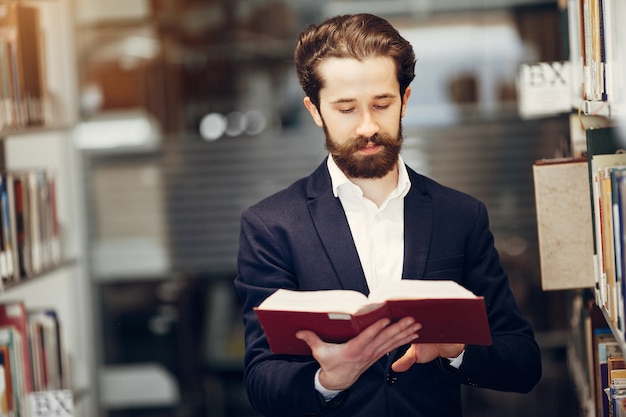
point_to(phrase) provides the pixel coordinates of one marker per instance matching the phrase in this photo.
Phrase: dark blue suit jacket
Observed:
(299, 238)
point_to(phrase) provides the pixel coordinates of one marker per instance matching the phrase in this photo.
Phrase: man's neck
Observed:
(377, 189)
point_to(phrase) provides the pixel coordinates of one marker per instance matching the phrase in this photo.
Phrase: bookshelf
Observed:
(594, 212)
(42, 261)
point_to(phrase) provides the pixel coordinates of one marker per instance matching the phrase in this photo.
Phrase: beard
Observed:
(355, 165)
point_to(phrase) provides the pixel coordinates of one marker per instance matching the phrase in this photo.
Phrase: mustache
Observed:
(359, 142)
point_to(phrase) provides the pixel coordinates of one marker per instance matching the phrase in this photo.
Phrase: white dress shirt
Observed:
(378, 233)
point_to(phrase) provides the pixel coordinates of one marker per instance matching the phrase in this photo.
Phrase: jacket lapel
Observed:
(334, 231)
(418, 228)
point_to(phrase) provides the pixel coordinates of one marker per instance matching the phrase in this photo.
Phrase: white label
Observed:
(51, 404)
(544, 88)
(338, 316)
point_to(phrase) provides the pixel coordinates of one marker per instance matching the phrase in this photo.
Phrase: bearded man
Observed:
(363, 219)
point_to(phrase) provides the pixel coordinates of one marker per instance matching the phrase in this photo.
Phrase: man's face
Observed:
(360, 110)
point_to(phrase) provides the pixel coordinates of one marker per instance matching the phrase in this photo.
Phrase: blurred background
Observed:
(191, 111)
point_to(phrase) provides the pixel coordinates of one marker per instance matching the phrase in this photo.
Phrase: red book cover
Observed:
(13, 314)
(445, 319)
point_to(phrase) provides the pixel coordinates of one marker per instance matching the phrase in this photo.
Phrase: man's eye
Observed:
(349, 110)
(381, 106)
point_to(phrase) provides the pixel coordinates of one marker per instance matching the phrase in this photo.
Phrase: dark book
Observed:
(22, 230)
(7, 232)
(448, 313)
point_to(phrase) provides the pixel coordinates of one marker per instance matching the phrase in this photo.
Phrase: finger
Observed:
(377, 337)
(310, 338)
(398, 334)
(373, 330)
(406, 361)
(366, 345)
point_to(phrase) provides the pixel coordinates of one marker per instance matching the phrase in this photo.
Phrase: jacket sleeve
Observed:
(513, 361)
(277, 385)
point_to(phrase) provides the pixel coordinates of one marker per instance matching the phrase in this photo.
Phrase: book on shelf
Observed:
(13, 316)
(604, 167)
(12, 77)
(607, 348)
(606, 162)
(50, 363)
(33, 207)
(564, 223)
(24, 94)
(609, 35)
(6, 400)
(606, 220)
(615, 368)
(593, 30)
(32, 354)
(31, 46)
(30, 240)
(7, 118)
(11, 346)
(619, 241)
(594, 51)
(448, 312)
(21, 226)
(6, 255)
(617, 393)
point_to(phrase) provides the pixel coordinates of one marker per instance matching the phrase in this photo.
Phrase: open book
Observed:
(448, 312)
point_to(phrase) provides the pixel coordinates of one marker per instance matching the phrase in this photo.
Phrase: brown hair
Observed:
(359, 36)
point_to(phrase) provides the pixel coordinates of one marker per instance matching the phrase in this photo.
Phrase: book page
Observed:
(409, 289)
(335, 301)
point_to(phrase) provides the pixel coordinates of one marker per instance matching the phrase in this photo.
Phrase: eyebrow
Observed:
(351, 100)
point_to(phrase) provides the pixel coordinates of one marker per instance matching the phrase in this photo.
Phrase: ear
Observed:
(315, 114)
(405, 100)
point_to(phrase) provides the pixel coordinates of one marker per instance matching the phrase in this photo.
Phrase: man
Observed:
(363, 219)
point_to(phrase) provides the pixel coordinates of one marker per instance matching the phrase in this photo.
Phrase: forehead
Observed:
(351, 78)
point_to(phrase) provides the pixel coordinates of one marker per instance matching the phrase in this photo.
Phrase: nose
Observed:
(367, 125)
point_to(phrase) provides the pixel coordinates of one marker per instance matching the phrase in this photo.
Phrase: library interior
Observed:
(133, 134)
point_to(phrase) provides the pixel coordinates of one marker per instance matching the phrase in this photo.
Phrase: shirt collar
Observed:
(339, 179)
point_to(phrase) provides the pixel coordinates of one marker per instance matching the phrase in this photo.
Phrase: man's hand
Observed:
(342, 364)
(426, 352)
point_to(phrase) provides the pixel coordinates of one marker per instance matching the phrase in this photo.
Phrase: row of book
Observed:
(591, 32)
(596, 360)
(609, 374)
(23, 93)
(29, 227)
(588, 45)
(32, 356)
(607, 172)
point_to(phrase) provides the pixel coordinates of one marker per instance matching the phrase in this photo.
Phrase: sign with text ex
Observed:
(544, 89)
(51, 404)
